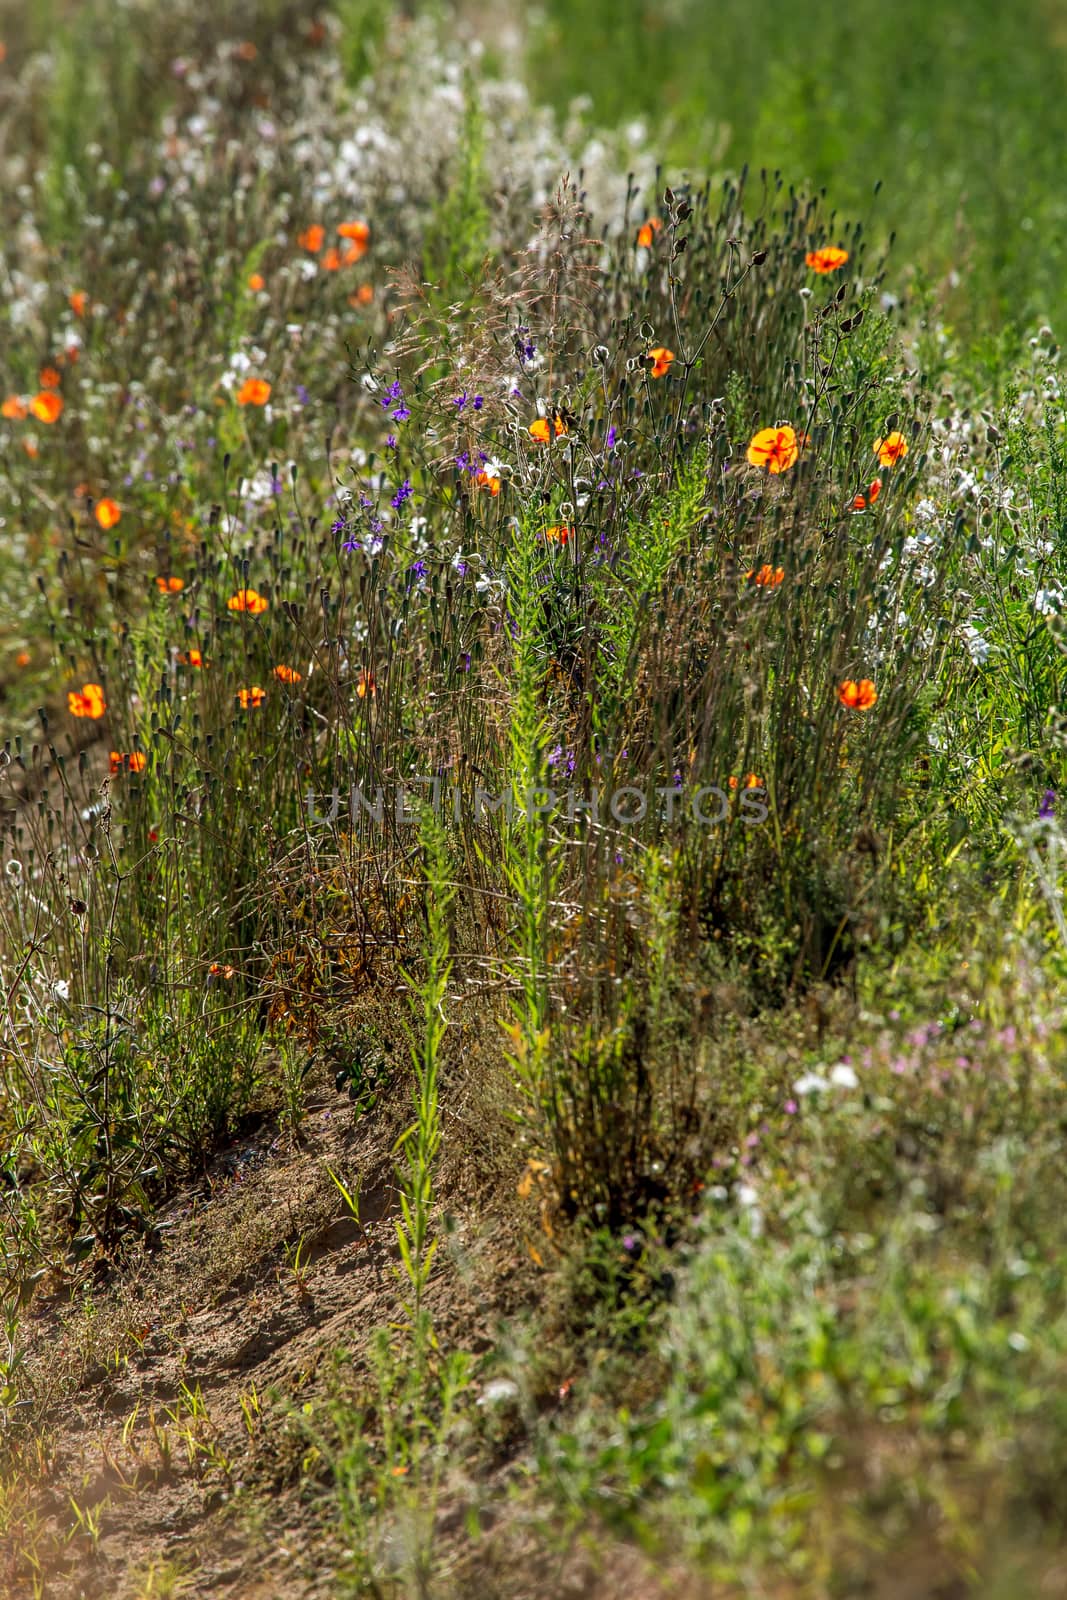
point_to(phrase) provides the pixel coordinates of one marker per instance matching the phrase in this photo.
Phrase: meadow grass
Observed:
(575, 619)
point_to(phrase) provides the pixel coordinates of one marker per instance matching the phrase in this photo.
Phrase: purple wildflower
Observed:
(402, 494)
(1048, 805)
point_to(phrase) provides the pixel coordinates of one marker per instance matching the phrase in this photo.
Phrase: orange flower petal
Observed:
(891, 449)
(247, 600)
(89, 702)
(828, 259)
(108, 513)
(253, 392)
(859, 696)
(774, 448)
(46, 406)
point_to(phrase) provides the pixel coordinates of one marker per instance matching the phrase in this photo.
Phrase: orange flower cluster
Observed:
(135, 761)
(288, 674)
(170, 585)
(776, 449)
(828, 259)
(192, 658)
(251, 699)
(488, 481)
(767, 577)
(661, 359)
(862, 501)
(559, 533)
(752, 781)
(857, 696)
(88, 702)
(647, 232)
(248, 600)
(355, 234)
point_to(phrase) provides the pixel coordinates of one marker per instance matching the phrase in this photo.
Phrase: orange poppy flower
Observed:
(136, 761)
(89, 702)
(217, 970)
(170, 585)
(752, 781)
(192, 658)
(357, 232)
(14, 409)
(313, 238)
(78, 300)
(331, 261)
(862, 501)
(288, 674)
(108, 513)
(253, 392)
(661, 360)
(363, 296)
(891, 449)
(647, 232)
(247, 600)
(366, 685)
(560, 533)
(46, 406)
(828, 259)
(857, 696)
(487, 480)
(22, 659)
(541, 429)
(251, 698)
(353, 253)
(774, 448)
(49, 378)
(768, 577)
(257, 282)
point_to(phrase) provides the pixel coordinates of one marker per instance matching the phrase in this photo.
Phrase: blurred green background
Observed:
(957, 106)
